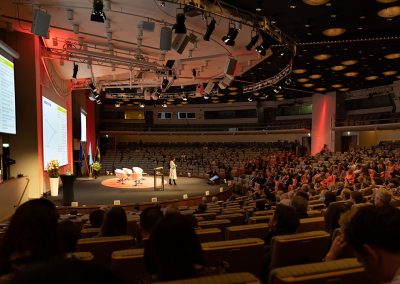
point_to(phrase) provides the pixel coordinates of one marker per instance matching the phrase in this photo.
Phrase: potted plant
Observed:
(53, 170)
(96, 166)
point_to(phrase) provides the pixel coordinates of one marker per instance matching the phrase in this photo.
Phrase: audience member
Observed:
(382, 197)
(115, 222)
(96, 218)
(148, 220)
(301, 206)
(356, 197)
(333, 213)
(68, 235)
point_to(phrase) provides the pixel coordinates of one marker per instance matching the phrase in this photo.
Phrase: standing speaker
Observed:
(165, 38)
(230, 66)
(180, 42)
(41, 24)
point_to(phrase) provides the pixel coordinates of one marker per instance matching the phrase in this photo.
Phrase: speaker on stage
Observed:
(41, 24)
(165, 38)
(230, 66)
(180, 42)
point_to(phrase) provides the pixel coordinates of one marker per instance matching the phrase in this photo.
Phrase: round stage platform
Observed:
(106, 189)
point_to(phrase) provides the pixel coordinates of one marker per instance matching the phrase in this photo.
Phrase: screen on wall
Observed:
(55, 143)
(83, 126)
(7, 96)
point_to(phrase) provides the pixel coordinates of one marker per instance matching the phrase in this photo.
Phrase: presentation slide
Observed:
(55, 143)
(83, 127)
(7, 97)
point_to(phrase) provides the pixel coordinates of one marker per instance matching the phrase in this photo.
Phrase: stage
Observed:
(102, 190)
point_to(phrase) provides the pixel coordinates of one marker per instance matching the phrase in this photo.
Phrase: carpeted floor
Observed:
(92, 192)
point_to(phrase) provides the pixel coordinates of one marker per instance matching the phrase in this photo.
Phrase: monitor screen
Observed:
(7, 96)
(55, 142)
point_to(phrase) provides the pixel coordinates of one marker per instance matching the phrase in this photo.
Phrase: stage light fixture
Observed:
(259, 5)
(164, 104)
(229, 39)
(266, 43)
(253, 41)
(194, 72)
(117, 104)
(92, 87)
(293, 4)
(141, 105)
(210, 30)
(75, 71)
(179, 26)
(98, 12)
(91, 97)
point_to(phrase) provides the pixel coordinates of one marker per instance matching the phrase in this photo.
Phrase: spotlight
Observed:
(164, 104)
(210, 30)
(259, 5)
(194, 72)
(92, 87)
(293, 4)
(179, 26)
(252, 42)
(75, 72)
(250, 99)
(141, 105)
(229, 39)
(266, 43)
(117, 104)
(164, 83)
(97, 12)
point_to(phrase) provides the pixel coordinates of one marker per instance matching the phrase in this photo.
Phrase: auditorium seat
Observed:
(259, 219)
(220, 223)
(311, 224)
(206, 216)
(235, 218)
(314, 213)
(209, 235)
(246, 231)
(81, 256)
(343, 271)
(357, 207)
(133, 220)
(102, 247)
(227, 278)
(299, 248)
(263, 212)
(243, 255)
(317, 206)
(90, 232)
(128, 265)
(233, 211)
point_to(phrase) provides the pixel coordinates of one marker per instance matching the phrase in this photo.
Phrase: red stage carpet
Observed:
(146, 183)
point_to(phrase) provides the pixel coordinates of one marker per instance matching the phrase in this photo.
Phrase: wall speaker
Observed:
(165, 38)
(209, 87)
(148, 26)
(180, 42)
(230, 66)
(41, 24)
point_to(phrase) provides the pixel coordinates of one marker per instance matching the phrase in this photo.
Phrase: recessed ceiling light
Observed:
(344, 89)
(315, 2)
(386, 1)
(390, 73)
(323, 56)
(233, 88)
(336, 86)
(303, 80)
(308, 85)
(215, 102)
(233, 93)
(231, 101)
(299, 71)
(280, 99)
(338, 67)
(390, 12)
(392, 56)
(349, 62)
(371, 78)
(278, 96)
(315, 76)
(320, 89)
(334, 31)
(351, 74)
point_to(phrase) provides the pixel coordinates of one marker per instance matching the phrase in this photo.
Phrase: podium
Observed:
(68, 189)
(159, 172)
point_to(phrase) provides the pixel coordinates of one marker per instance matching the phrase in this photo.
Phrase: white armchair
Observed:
(128, 172)
(121, 175)
(137, 174)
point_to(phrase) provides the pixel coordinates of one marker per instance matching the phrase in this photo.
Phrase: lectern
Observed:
(159, 172)
(68, 189)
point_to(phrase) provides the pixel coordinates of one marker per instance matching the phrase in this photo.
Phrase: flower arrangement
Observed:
(53, 169)
(96, 166)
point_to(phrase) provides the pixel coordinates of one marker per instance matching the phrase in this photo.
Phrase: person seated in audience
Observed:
(201, 208)
(356, 197)
(301, 205)
(68, 235)
(214, 200)
(346, 192)
(135, 210)
(96, 218)
(115, 222)
(173, 250)
(30, 238)
(374, 233)
(332, 215)
(148, 220)
(328, 198)
(382, 197)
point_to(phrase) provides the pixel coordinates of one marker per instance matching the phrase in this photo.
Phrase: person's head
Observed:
(356, 197)
(31, 236)
(68, 235)
(329, 197)
(115, 222)
(149, 219)
(301, 205)
(302, 194)
(214, 199)
(285, 218)
(173, 250)
(333, 213)
(201, 208)
(96, 218)
(346, 194)
(374, 234)
(382, 197)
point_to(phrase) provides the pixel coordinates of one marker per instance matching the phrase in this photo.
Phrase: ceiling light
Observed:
(338, 68)
(351, 74)
(299, 71)
(315, 2)
(308, 85)
(229, 39)
(75, 71)
(97, 12)
(253, 41)
(292, 4)
(392, 56)
(303, 80)
(315, 76)
(179, 26)
(210, 30)
(250, 99)
(320, 89)
(349, 62)
(371, 78)
(259, 5)
(334, 31)
(389, 73)
(117, 104)
(390, 12)
(141, 105)
(323, 56)
(336, 86)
